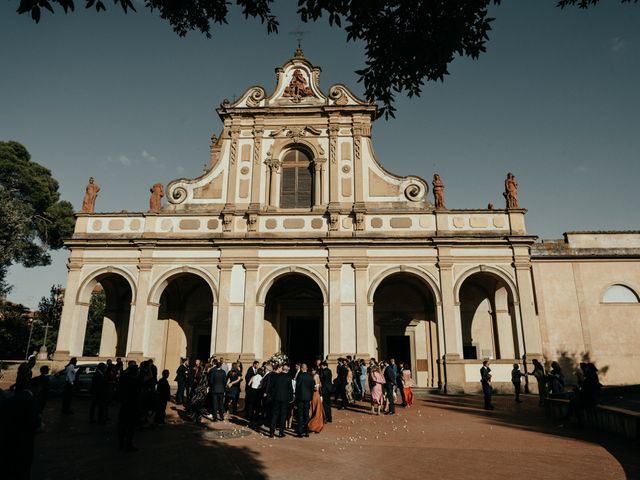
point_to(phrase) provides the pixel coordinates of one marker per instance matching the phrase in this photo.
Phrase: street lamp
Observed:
(30, 322)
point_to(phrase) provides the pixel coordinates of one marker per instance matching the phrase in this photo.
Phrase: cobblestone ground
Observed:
(439, 437)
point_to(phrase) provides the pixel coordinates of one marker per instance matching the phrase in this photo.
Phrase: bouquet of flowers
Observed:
(278, 359)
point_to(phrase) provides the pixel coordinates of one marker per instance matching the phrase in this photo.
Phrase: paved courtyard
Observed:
(440, 437)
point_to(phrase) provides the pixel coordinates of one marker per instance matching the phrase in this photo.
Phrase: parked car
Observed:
(83, 379)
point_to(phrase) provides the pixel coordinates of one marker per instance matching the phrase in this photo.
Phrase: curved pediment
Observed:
(298, 85)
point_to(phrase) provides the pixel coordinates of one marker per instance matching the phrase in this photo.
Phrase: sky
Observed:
(124, 99)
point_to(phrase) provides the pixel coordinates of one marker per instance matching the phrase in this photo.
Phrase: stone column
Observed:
(233, 169)
(139, 312)
(256, 169)
(334, 166)
(358, 171)
(454, 370)
(222, 324)
(274, 169)
(530, 325)
(72, 311)
(249, 337)
(364, 322)
(318, 166)
(335, 327)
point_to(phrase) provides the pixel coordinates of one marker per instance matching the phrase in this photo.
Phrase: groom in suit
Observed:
(304, 393)
(281, 395)
(217, 382)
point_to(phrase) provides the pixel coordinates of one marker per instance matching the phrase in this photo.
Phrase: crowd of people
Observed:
(551, 384)
(277, 393)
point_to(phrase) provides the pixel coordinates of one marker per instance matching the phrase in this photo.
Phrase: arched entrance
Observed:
(405, 326)
(488, 319)
(294, 319)
(186, 309)
(109, 312)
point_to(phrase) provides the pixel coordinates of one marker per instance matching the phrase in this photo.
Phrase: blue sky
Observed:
(124, 99)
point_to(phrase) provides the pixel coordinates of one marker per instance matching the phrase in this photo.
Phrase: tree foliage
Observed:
(33, 219)
(49, 313)
(407, 42)
(14, 330)
(94, 323)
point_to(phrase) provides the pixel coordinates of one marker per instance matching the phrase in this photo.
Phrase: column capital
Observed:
(334, 265)
(225, 267)
(359, 266)
(250, 266)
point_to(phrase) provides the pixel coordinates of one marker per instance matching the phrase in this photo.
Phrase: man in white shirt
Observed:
(69, 385)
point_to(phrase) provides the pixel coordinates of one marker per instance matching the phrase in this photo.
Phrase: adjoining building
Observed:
(297, 239)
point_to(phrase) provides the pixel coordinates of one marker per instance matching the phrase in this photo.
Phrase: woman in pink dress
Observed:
(407, 383)
(377, 380)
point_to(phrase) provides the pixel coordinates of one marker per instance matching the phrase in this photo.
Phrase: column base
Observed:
(62, 355)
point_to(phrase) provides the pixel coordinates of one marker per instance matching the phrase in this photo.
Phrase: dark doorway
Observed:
(304, 336)
(399, 348)
(203, 347)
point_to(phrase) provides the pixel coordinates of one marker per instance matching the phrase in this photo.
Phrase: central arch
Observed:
(294, 318)
(405, 324)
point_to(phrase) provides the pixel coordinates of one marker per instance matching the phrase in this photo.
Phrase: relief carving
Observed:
(227, 220)
(333, 222)
(252, 222)
(298, 86)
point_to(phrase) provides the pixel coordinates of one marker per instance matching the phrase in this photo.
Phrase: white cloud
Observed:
(148, 157)
(617, 44)
(124, 160)
(583, 168)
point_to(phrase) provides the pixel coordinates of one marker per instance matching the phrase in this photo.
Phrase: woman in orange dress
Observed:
(407, 383)
(316, 413)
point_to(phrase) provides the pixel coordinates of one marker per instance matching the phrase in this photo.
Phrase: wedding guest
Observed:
(316, 416)
(217, 382)
(69, 385)
(252, 399)
(194, 378)
(556, 379)
(182, 374)
(326, 390)
(342, 372)
(281, 394)
(199, 394)
(485, 380)
(292, 378)
(390, 375)
(264, 393)
(39, 387)
(349, 386)
(377, 381)
(130, 390)
(251, 371)
(541, 378)
(401, 366)
(163, 394)
(516, 379)
(99, 394)
(361, 371)
(407, 385)
(234, 378)
(305, 386)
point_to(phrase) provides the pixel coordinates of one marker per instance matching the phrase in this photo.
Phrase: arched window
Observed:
(620, 294)
(296, 187)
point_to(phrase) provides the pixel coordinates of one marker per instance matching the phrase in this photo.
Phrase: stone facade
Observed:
(297, 239)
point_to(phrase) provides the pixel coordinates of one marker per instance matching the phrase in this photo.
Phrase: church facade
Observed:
(297, 239)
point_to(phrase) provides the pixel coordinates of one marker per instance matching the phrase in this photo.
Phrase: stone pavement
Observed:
(440, 437)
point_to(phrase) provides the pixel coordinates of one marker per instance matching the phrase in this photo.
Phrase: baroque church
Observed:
(297, 239)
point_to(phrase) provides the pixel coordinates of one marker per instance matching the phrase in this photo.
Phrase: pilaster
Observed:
(249, 336)
(364, 322)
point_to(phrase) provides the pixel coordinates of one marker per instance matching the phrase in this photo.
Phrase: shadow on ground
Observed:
(528, 416)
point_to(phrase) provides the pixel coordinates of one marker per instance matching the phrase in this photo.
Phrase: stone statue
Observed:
(297, 86)
(155, 202)
(89, 201)
(438, 191)
(511, 191)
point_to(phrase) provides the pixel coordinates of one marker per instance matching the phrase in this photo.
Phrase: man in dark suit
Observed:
(264, 393)
(181, 378)
(304, 393)
(342, 370)
(217, 381)
(253, 369)
(485, 380)
(390, 379)
(281, 394)
(326, 389)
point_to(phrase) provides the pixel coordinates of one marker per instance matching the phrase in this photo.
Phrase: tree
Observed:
(406, 41)
(94, 323)
(49, 313)
(33, 219)
(14, 330)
